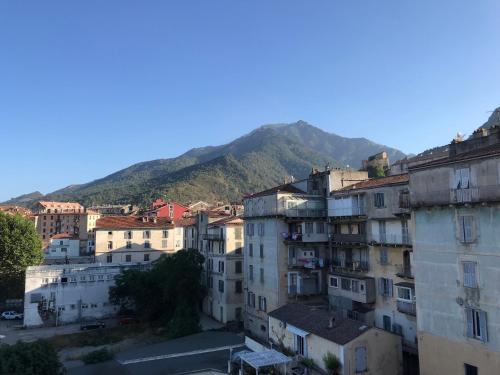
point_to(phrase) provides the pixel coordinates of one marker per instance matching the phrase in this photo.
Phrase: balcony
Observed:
(431, 197)
(404, 272)
(347, 211)
(306, 285)
(311, 263)
(403, 239)
(356, 288)
(305, 213)
(348, 238)
(213, 237)
(407, 307)
(349, 267)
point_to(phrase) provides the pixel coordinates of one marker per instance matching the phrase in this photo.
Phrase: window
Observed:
(109, 258)
(147, 245)
(262, 303)
(462, 178)
(221, 286)
(360, 359)
(146, 257)
(385, 287)
(238, 266)
(250, 229)
(164, 234)
(470, 280)
(164, 244)
(221, 266)
(355, 286)
(378, 200)
(299, 344)
(404, 294)
(146, 234)
(250, 272)
(262, 275)
(320, 227)
(100, 277)
(476, 324)
(466, 226)
(250, 250)
(128, 258)
(384, 257)
(261, 250)
(471, 370)
(128, 245)
(110, 245)
(109, 233)
(345, 284)
(251, 299)
(334, 282)
(309, 228)
(261, 230)
(237, 249)
(127, 235)
(238, 287)
(237, 233)
(387, 322)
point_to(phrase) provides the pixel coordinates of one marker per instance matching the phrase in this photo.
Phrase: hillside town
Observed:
(387, 273)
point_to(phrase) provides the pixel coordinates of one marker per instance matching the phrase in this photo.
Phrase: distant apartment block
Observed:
(130, 239)
(166, 209)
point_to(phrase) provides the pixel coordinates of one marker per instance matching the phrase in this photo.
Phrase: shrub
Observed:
(308, 362)
(33, 358)
(332, 364)
(97, 356)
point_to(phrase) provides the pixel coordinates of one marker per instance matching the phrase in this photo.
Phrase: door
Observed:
(381, 231)
(387, 323)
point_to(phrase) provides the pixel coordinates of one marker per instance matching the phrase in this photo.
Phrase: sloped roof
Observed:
(185, 222)
(315, 321)
(227, 220)
(130, 222)
(64, 235)
(378, 182)
(285, 188)
(66, 205)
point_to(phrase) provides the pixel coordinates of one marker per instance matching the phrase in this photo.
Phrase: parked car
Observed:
(126, 320)
(93, 324)
(11, 315)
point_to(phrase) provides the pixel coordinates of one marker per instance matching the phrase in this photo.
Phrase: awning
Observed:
(296, 330)
(266, 358)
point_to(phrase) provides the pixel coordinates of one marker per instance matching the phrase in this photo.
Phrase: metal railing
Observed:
(483, 193)
(311, 263)
(404, 271)
(409, 308)
(213, 236)
(348, 238)
(392, 238)
(351, 211)
(339, 265)
(305, 212)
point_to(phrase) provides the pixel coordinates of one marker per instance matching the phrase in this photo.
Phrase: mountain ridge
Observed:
(252, 162)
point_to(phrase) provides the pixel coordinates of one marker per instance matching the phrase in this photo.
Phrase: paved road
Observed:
(173, 361)
(13, 332)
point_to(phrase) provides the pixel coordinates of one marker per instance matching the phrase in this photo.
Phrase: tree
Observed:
(20, 247)
(332, 364)
(34, 358)
(169, 294)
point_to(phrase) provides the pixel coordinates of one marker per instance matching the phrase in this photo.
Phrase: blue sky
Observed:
(90, 87)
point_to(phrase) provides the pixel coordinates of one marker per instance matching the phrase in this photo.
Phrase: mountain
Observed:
(248, 164)
(25, 199)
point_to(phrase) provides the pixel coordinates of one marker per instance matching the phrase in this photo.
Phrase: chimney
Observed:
(155, 219)
(144, 219)
(331, 322)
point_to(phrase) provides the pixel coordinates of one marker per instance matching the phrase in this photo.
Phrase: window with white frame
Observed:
(334, 282)
(470, 274)
(405, 294)
(262, 303)
(476, 324)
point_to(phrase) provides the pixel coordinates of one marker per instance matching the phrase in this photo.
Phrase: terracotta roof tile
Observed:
(377, 182)
(227, 220)
(67, 205)
(126, 222)
(64, 235)
(185, 222)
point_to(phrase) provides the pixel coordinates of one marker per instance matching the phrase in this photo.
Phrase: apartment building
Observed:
(168, 209)
(286, 244)
(61, 294)
(127, 239)
(223, 244)
(371, 276)
(63, 245)
(190, 232)
(66, 217)
(456, 216)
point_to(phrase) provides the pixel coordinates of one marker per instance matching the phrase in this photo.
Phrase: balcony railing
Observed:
(213, 236)
(483, 193)
(409, 308)
(353, 266)
(305, 212)
(292, 237)
(392, 239)
(311, 263)
(350, 211)
(348, 238)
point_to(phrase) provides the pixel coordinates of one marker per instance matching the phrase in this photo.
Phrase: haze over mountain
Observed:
(248, 164)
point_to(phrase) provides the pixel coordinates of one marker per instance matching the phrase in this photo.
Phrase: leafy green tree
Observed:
(20, 247)
(169, 294)
(34, 358)
(332, 364)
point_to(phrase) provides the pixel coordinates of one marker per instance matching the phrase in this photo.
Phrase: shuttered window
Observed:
(250, 272)
(476, 324)
(378, 200)
(384, 258)
(385, 287)
(470, 279)
(466, 227)
(360, 359)
(462, 178)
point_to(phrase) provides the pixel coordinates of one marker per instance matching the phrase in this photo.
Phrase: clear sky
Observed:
(89, 87)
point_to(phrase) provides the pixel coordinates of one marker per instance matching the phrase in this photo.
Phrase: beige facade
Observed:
(223, 244)
(125, 239)
(457, 257)
(359, 348)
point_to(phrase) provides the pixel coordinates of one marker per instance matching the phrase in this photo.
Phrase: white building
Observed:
(62, 246)
(60, 294)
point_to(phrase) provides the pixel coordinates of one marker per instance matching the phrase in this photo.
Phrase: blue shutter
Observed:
(381, 286)
(360, 359)
(469, 315)
(483, 325)
(390, 288)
